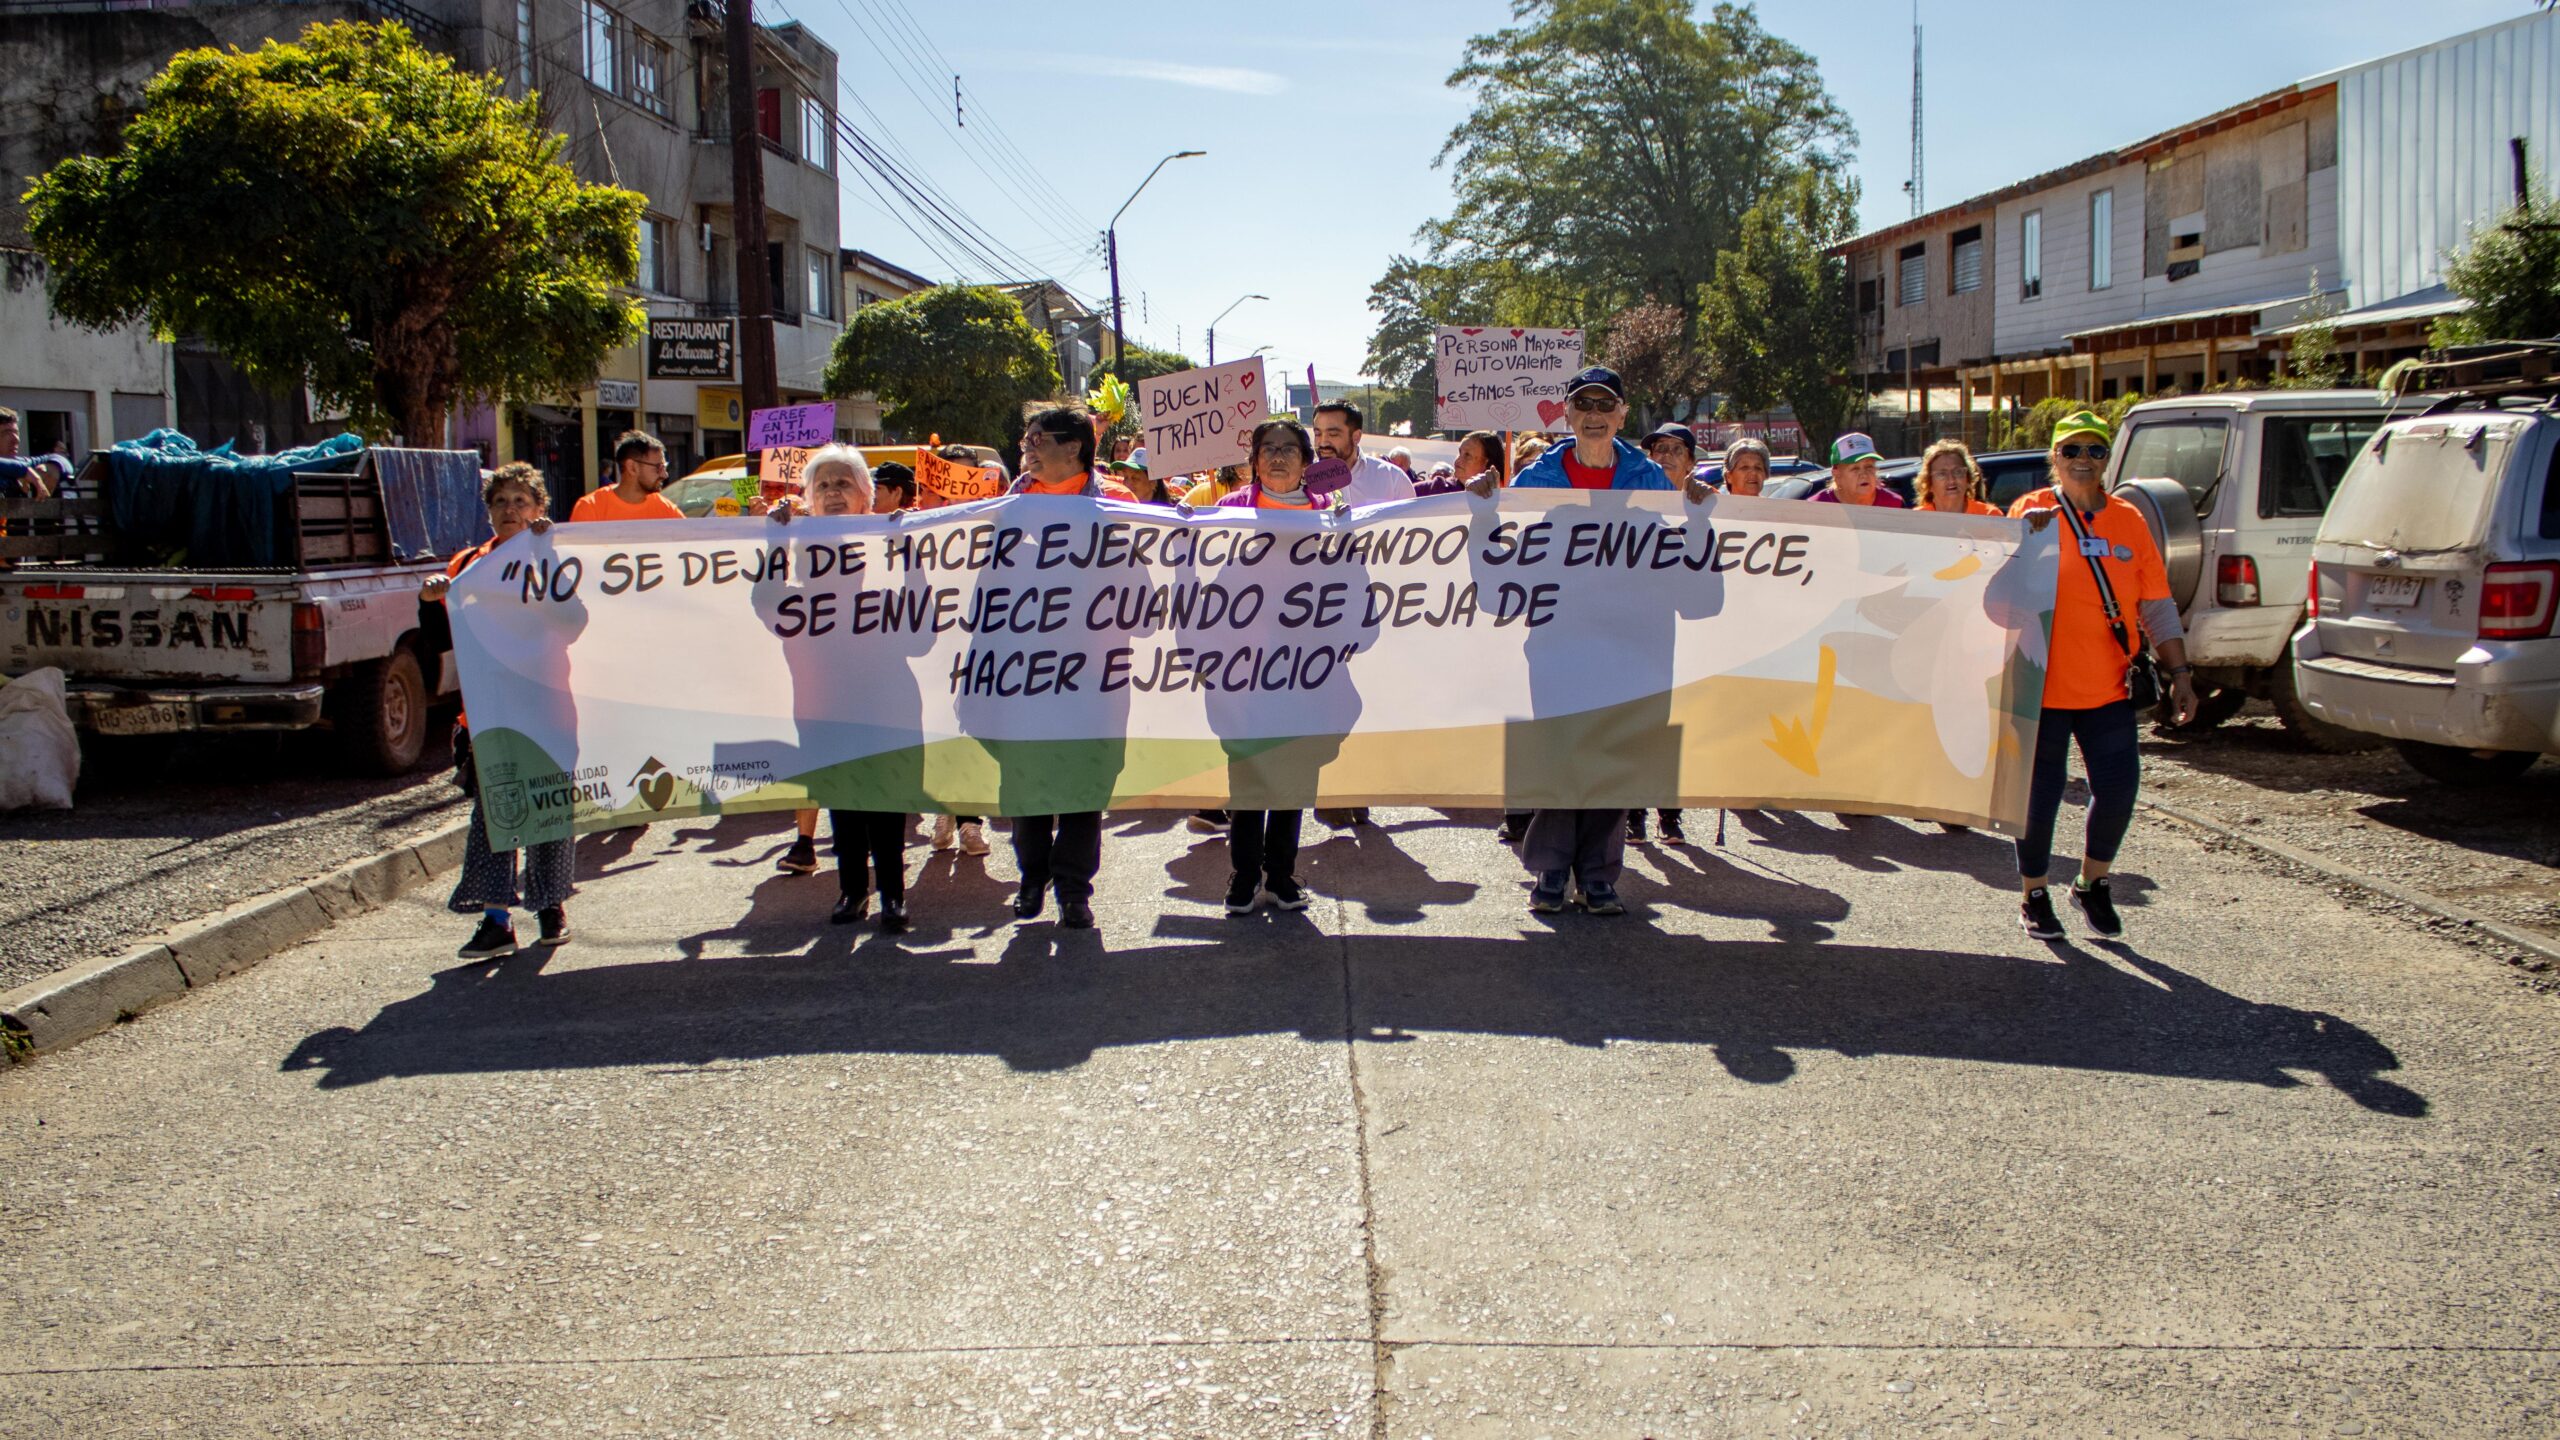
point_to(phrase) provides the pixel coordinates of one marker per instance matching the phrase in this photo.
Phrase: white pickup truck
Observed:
(333, 639)
(2234, 485)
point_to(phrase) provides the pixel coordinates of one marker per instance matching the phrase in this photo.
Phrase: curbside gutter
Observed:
(2532, 942)
(70, 1005)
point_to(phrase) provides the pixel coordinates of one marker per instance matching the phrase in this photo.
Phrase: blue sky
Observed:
(1321, 124)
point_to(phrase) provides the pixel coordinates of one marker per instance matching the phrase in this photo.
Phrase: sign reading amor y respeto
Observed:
(1041, 654)
(1496, 377)
(1200, 419)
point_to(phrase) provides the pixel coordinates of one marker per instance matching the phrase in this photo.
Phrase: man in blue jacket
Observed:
(1584, 847)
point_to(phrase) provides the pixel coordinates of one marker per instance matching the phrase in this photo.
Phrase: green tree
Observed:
(955, 360)
(1141, 363)
(351, 212)
(2312, 361)
(2511, 276)
(1776, 319)
(1613, 148)
(1650, 347)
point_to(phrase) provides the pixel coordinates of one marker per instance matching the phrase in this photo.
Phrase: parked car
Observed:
(2436, 578)
(698, 493)
(1712, 471)
(2234, 485)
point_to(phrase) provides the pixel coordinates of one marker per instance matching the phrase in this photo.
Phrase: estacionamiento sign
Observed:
(682, 349)
(1042, 654)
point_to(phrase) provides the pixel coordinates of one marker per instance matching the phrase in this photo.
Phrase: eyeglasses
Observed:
(1054, 437)
(2073, 450)
(1280, 450)
(1595, 404)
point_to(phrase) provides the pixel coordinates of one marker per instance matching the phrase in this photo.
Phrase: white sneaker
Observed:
(944, 828)
(973, 839)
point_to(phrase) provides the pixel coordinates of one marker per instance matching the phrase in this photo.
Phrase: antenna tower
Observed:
(1915, 185)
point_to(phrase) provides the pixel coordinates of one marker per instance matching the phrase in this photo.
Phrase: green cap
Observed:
(1852, 447)
(2082, 422)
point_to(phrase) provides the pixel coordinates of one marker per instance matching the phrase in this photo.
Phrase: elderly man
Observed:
(1373, 481)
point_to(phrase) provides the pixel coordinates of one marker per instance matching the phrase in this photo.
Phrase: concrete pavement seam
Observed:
(62, 1009)
(1379, 1354)
(2532, 942)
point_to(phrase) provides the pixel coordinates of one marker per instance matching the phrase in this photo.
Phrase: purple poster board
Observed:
(792, 425)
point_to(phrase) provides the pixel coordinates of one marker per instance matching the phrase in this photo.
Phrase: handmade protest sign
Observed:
(1200, 419)
(949, 482)
(1044, 654)
(784, 464)
(792, 425)
(1496, 377)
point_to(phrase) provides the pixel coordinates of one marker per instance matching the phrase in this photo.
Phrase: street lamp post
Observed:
(1223, 314)
(1111, 242)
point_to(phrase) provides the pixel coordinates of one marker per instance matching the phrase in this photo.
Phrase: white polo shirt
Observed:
(1374, 482)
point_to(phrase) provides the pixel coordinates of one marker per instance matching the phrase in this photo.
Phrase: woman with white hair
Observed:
(837, 481)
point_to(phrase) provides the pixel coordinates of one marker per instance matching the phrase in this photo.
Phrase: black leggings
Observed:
(2108, 748)
(868, 841)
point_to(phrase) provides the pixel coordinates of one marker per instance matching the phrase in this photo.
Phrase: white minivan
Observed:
(2437, 584)
(2234, 485)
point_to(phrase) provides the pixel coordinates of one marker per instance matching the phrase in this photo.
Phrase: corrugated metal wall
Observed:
(2422, 149)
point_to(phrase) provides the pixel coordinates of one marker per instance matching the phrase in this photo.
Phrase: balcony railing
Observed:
(419, 21)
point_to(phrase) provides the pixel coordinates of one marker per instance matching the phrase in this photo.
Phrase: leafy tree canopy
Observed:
(957, 361)
(1650, 348)
(1776, 316)
(2511, 275)
(352, 212)
(1140, 363)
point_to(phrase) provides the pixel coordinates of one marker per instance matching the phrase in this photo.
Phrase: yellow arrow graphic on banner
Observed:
(1797, 741)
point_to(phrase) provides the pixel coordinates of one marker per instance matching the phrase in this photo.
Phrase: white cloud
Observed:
(1199, 77)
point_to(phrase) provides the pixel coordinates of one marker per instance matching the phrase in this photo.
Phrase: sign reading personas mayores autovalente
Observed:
(1497, 377)
(1201, 419)
(1041, 654)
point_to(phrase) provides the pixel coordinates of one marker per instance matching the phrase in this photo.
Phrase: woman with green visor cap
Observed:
(2110, 594)
(1853, 475)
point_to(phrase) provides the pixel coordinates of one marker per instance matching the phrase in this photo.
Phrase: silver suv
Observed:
(2435, 579)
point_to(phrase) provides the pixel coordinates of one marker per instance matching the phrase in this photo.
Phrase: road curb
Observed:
(70, 1005)
(2530, 941)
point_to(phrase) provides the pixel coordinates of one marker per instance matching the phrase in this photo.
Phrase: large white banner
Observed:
(1040, 654)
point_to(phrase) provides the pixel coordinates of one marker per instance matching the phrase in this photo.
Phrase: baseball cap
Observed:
(1853, 446)
(1674, 431)
(2082, 422)
(1599, 375)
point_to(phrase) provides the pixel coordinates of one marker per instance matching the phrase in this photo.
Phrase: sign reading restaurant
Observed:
(693, 349)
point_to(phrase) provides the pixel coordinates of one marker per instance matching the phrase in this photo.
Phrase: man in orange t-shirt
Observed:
(640, 471)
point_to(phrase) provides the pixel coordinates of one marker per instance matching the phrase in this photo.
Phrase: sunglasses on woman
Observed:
(2073, 450)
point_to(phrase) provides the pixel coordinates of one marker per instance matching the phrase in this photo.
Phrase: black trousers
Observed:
(1060, 850)
(868, 840)
(1264, 843)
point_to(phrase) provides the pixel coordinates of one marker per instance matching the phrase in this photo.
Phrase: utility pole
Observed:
(760, 386)
(1111, 243)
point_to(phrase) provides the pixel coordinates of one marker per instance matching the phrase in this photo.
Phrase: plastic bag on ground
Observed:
(39, 751)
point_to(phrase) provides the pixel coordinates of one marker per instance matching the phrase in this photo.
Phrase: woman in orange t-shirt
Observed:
(1950, 483)
(516, 500)
(2085, 696)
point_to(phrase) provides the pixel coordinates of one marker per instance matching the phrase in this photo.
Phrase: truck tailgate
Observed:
(136, 629)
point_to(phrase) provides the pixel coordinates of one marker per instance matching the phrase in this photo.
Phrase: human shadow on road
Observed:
(1054, 999)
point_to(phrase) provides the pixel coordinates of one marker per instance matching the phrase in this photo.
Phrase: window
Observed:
(649, 69)
(817, 136)
(657, 262)
(2551, 500)
(2187, 451)
(821, 293)
(2302, 459)
(524, 44)
(1965, 274)
(1915, 274)
(1870, 296)
(769, 115)
(598, 24)
(2031, 255)
(2102, 236)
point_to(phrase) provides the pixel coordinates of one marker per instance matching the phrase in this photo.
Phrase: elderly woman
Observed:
(2086, 697)
(1746, 466)
(517, 501)
(1950, 483)
(1853, 475)
(837, 481)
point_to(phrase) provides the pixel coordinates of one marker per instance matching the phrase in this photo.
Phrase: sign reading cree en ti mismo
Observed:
(693, 349)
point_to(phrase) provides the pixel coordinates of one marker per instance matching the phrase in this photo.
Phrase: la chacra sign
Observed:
(683, 349)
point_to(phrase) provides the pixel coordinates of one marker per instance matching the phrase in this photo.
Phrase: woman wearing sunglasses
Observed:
(2085, 693)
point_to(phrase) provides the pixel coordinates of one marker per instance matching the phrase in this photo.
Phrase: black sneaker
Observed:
(1510, 833)
(1075, 914)
(1672, 834)
(493, 939)
(1241, 891)
(850, 909)
(1028, 900)
(2037, 917)
(893, 917)
(555, 927)
(801, 858)
(2097, 904)
(1635, 827)
(1284, 892)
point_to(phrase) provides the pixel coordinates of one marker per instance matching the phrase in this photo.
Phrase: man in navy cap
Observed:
(1596, 405)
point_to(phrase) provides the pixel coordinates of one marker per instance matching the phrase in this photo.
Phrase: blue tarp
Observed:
(431, 500)
(211, 506)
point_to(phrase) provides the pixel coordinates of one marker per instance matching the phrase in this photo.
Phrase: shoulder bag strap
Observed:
(2097, 572)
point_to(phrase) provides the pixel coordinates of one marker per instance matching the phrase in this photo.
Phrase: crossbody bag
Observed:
(2141, 672)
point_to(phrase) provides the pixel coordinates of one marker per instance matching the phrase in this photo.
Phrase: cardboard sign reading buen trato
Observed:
(1495, 377)
(1198, 420)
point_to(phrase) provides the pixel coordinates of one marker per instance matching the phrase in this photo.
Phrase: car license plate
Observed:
(2394, 591)
(159, 718)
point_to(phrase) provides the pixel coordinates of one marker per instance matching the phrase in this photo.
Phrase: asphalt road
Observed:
(1814, 1142)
